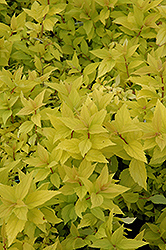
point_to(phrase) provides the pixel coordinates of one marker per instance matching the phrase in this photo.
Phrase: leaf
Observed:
(80, 207)
(90, 68)
(102, 244)
(7, 193)
(36, 119)
(13, 227)
(158, 199)
(21, 212)
(37, 198)
(117, 236)
(127, 244)
(95, 156)
(26, 127)
(86, 169)
(98, 213)
(161, 36)
(42, 153)
(50, 216)
(36, 216)
(55, 180)
(103, 177)
(48, 24)
(130, 197)
(81, 191)
(138, 172)
(3, 2)
(135, 150)
(85, 146)
(87, 220)
(128, 220)
(22, 189)
(79, 243)
(5, 115)
(68, 213)
(96, 199)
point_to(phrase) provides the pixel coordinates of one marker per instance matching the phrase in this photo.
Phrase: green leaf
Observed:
(49, 215)
(68, 213)
(87, 220)
(98, 213)
(127, 244)
(158, 199)
(102, 244)
(79, 243)
(131, 197)
(117, 236)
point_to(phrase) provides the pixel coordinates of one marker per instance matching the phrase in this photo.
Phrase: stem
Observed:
(42, 26)
(88, 198)
(140, 31)
(13, 90)
(63, 21)
(127, 69)
(80, 183)
(12, 118)
(76, 68)
(122, 137)
(72, 133)
(4, 244)
(51, 171)
(162, 88)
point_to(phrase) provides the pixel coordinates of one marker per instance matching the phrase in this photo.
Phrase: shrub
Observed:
(83, 124)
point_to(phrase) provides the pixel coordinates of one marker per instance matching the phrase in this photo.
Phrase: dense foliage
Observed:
(83, 124)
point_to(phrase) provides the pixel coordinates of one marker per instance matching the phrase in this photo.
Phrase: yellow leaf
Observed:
(48, 24)
(22, 188)
(37, 198)
(135, 150)
(3, 2)
(21, 212)
(138, 172)
(13, 227)
(90, 68)
(161, 36)
(26, 127)
(96, 199)
(36, 216)
(42, 153)
(95, 156)
(80, 207)
(36, 119)
(85, 146)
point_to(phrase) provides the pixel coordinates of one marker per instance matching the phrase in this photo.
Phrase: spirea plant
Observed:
(82, 124)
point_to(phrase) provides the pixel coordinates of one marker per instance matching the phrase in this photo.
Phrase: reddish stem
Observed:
(122, 137)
